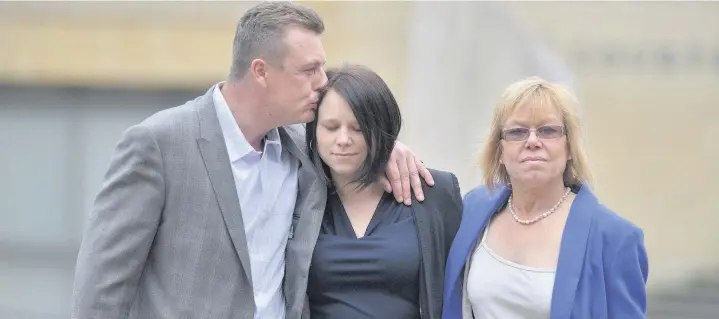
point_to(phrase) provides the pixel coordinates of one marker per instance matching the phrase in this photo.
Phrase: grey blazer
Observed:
(165, 237)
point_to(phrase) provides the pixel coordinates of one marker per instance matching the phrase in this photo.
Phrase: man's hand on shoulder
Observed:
(403, 174)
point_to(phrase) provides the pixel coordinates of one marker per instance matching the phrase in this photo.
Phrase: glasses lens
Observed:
(516, 134)
(549, 131)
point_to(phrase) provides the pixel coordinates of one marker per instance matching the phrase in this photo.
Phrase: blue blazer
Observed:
(602, 269)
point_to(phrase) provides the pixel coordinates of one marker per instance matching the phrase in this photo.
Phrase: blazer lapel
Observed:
(571, 253)
(295, 144)
(306, 220)
(311, 195)
(478, 208)
(217, 163)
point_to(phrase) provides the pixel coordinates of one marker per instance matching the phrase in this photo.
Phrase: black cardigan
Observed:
(437, 220)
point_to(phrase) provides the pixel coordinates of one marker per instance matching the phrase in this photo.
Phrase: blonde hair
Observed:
(541, 94)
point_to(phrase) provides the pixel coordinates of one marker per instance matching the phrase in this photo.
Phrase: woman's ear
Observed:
(499, 153)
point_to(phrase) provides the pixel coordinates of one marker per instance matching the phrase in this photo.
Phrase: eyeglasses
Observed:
(522, 133)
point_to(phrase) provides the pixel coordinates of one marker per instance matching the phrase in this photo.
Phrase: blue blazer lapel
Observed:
(571, 253)
(479, 206)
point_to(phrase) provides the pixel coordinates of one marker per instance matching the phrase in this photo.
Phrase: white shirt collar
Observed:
(237, 145)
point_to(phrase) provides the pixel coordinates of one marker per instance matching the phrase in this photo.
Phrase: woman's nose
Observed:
(343, 137)
(533, 140)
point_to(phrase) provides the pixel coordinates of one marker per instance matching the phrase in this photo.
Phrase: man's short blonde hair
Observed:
(541, 95)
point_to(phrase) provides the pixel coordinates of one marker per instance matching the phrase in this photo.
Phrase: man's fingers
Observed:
(414, 179)
(424, 172)
(395, 180)
(406, 186)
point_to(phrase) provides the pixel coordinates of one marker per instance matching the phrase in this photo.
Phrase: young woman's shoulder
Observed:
(445, 183)
(444, 196)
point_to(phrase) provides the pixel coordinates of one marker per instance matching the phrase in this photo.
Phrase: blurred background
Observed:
(74, 75)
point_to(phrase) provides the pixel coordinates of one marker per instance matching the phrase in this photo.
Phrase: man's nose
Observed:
(321, 79)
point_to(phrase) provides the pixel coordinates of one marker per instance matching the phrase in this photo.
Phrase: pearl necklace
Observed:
(540, 217)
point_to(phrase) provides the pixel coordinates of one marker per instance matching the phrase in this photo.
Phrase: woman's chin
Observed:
(343, 172)
(533, 180)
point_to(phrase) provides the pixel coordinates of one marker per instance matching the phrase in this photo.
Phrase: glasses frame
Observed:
(562, 132)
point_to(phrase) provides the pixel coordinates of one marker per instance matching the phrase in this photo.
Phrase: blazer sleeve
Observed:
(627, 278)
(120, 229)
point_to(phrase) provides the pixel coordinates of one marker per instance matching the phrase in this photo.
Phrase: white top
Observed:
(500, 289)
(266, 185)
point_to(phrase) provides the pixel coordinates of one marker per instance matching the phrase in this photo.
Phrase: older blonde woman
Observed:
(534, 242)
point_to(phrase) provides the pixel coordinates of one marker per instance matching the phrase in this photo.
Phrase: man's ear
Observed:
(259, 71)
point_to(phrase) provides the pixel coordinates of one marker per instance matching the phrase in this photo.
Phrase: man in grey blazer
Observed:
(196, 210)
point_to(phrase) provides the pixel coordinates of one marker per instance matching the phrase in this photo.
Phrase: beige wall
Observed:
(649, 133)
(171, 44)
(139, 45)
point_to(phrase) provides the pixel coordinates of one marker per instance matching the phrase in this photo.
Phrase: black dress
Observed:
(376, 276)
